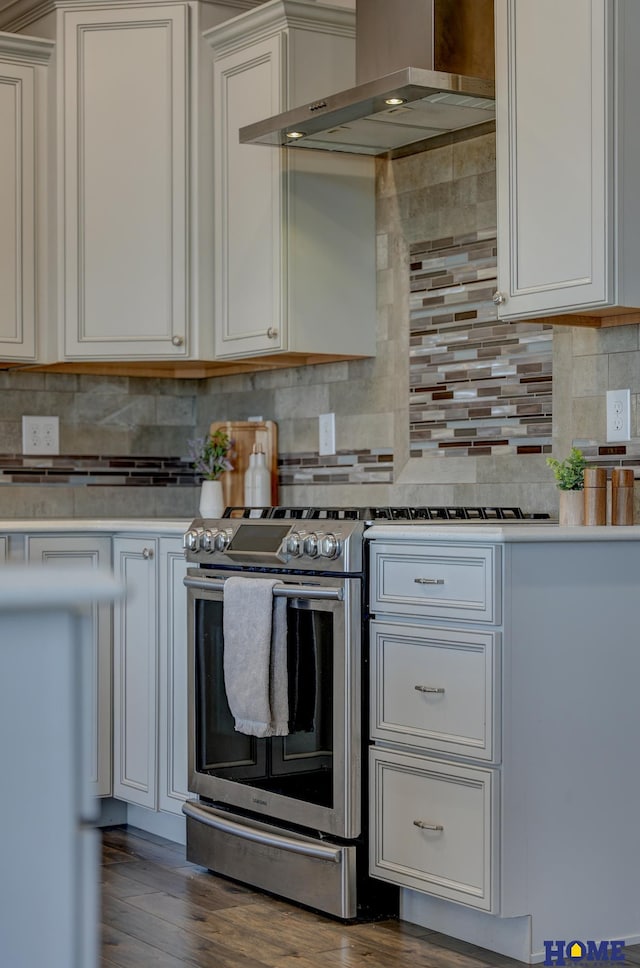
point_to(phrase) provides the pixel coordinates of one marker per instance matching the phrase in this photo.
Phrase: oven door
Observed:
(311, 777)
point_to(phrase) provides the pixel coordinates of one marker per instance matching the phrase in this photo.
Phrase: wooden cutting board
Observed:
(244, 434)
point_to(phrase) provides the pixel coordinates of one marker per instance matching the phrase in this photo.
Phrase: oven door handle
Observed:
(212, 818)
(308, 592)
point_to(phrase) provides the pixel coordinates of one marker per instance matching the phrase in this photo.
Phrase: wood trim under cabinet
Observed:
(611, 316)
(184, 369)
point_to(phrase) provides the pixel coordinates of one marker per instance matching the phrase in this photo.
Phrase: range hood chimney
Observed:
(424, 68)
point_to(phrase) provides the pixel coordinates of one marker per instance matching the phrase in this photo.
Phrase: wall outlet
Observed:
(327, 433)
(618, 415)
(40, 435)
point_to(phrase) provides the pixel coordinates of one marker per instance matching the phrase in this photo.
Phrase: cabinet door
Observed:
(172, 658)
(555, 153)
(135, 673)
(18, 84)
(436, 688)
(249, 223)
(433, 827)
(89, 552)
(125, 265)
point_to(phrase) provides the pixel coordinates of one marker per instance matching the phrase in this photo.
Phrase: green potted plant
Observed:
(569, 475)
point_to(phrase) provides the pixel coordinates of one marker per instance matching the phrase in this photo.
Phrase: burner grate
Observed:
(423, 513)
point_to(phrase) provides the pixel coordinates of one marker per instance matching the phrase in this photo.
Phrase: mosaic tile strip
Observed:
(92, 470)
(611, 455)
(345, 467)
(477, 386)
(348, 467)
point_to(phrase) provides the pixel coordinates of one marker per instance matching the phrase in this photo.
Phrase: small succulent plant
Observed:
(569, 473)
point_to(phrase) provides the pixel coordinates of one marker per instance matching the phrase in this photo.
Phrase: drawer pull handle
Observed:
(437, 689)
(429, 581)
(425, 825)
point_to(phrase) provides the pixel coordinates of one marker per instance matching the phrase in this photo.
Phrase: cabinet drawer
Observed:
(439, 581)
(436, 688)
(433, 827)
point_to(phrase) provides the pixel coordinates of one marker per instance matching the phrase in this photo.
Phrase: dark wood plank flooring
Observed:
(158, 910)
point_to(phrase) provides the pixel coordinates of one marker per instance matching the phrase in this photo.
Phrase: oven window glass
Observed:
(299, 765)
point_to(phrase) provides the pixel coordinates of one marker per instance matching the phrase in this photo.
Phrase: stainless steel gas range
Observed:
(288, 813)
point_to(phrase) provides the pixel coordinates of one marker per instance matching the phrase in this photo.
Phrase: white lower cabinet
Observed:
(172, 700)
(150, 720)
(435, 703)
(135, 650)
(86, 551)
(491, 740)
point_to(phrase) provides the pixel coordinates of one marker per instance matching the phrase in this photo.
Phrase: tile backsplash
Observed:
(393, 447)
(477, 386)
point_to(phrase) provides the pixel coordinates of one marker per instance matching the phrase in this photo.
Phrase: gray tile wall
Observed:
(445, 192)
(109, 428)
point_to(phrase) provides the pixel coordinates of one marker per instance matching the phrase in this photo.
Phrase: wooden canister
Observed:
(622, 496)
(595, 495)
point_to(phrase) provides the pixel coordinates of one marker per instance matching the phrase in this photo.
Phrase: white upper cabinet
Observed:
(130, 194)
(294, 232)
(124, 270)
(23, 78)
(568, 158)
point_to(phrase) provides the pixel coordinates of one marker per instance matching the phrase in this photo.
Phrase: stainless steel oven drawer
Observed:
(317, 873)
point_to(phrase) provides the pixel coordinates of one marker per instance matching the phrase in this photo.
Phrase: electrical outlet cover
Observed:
(40, 435)
(618, 415)
(326, 433)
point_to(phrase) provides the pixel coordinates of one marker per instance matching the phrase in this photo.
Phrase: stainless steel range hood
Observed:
(424, 68)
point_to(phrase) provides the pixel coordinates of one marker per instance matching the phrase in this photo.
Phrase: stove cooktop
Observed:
(308, 538)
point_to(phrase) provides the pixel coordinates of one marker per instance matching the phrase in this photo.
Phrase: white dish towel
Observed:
(254, 624)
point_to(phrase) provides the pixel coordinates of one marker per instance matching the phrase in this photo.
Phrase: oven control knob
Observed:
(329, 546)
(191, 540)
(222, 540)
(310, 545)
(293, 544)
(206, 540)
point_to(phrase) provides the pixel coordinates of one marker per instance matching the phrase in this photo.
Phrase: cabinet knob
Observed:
(272, 333)
(426, 825)
(429, 581)
(177, 340)
(499, 298)
(436, 689)
(147, 552)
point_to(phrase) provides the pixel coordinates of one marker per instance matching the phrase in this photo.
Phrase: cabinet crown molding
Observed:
(278, 15)
(15, 15)
(25, 49)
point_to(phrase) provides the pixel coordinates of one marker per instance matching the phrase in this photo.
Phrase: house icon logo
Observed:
(574, 952)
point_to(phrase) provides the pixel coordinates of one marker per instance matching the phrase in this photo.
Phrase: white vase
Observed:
(211, 499)
(571, 508)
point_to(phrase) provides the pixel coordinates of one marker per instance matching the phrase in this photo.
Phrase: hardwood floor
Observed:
(158, 910)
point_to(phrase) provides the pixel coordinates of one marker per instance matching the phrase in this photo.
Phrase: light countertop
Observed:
(501, 533)
(147, 526)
